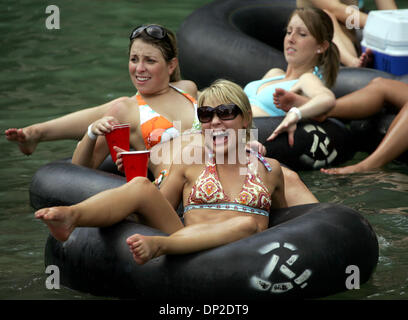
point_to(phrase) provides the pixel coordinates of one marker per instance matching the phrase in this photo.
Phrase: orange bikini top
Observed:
(208, 193)
(156, 128)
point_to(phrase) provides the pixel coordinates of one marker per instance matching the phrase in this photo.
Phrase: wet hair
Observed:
(167, 46)
(321, 28)
(224, 92)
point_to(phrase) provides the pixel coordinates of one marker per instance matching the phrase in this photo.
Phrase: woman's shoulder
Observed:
(274, 164)
(187, 86)
(125, 100)
(271, 178)
(309, 78)
(274, 72)
(124, 109)
(189, 168)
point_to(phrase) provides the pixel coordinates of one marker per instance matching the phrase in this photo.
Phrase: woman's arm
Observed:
(322, 99)
(341, 11)
(70, 126)
(278, 195)
(172, 185)
(93, 149)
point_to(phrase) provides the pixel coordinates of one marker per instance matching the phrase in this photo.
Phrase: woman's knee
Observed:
(380, 83)
(142, 191)
(296, 192)
(290, 177)
(140, 184)
(393, 91)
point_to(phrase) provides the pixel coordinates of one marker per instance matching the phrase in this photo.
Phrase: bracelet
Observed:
(91, 135)
(297, 111)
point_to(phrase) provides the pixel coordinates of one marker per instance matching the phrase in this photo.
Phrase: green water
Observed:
(48, 73)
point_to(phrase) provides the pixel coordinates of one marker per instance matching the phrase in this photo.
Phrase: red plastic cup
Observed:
(118, 137)
(135, 163)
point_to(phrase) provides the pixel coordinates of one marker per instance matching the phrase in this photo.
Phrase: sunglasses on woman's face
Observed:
(224, 112)
(152, 30)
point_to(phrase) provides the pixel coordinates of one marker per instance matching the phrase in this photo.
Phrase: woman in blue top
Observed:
(313, 63)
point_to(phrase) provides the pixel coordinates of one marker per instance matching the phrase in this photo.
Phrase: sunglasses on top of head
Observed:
(224, 112)
(153, 30)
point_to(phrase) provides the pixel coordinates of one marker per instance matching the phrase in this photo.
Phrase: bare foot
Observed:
(285, 100)
(343, 170)
(25, 138)
(143, 248)
(59, 220)
(366, 59)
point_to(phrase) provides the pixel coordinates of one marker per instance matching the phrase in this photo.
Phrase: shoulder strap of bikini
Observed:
(262, 159)
(140, 100)
(187, 95)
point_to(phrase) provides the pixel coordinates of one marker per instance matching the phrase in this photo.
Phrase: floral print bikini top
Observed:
(208, 193)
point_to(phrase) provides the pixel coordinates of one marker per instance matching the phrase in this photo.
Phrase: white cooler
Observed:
(386, 34)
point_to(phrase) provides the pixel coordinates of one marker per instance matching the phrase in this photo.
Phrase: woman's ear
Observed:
(172, 65)
(324, 46)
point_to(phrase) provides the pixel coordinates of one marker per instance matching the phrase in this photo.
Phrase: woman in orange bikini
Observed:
(225, 198)
(162, 97)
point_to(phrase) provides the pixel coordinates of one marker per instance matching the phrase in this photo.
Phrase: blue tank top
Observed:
(264, 99)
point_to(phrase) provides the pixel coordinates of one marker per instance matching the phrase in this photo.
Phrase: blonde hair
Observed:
(321, 28)
(168, 48)
(225, 92)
